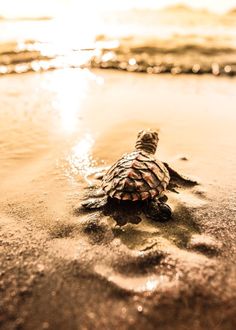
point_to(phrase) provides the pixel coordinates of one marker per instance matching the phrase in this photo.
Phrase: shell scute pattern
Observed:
(139, 165)
(149, 178)
(129, 185)
(141, 186)
(136, 176)
(144, 195)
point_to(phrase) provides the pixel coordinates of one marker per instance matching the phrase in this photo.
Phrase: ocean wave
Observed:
(22, 18)
(182, 8)
(174, 56)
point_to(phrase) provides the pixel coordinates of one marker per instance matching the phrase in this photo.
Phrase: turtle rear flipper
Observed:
(94, 203)
(158, 211)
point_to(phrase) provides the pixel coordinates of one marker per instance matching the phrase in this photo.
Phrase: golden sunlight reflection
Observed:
(82, 163)
(70, 92)
(80, 159)
(78, 25)
(68, 102)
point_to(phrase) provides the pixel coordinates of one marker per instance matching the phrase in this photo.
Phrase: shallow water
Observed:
(41, 116)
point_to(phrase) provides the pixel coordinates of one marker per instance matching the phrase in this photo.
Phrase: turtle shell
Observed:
(136, 176)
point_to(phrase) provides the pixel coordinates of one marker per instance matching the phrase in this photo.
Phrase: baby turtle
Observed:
(138, 177)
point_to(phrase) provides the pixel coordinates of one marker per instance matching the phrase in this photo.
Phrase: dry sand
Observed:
(64, 270)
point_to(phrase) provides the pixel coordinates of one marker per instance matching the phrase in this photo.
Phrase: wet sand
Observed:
(62, 269)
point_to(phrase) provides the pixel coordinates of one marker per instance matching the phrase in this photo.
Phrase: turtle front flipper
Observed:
(177, 180)
(94, 203)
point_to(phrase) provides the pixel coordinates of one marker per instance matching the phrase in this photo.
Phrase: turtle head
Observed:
(147, 141)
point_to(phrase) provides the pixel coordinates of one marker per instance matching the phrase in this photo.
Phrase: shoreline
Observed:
(65, 270)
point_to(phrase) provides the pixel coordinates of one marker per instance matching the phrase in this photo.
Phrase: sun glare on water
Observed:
(76, 24)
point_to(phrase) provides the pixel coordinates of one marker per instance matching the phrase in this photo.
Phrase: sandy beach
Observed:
(61, 269)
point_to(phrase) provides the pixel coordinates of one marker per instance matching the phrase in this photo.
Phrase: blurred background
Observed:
(147, 36)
